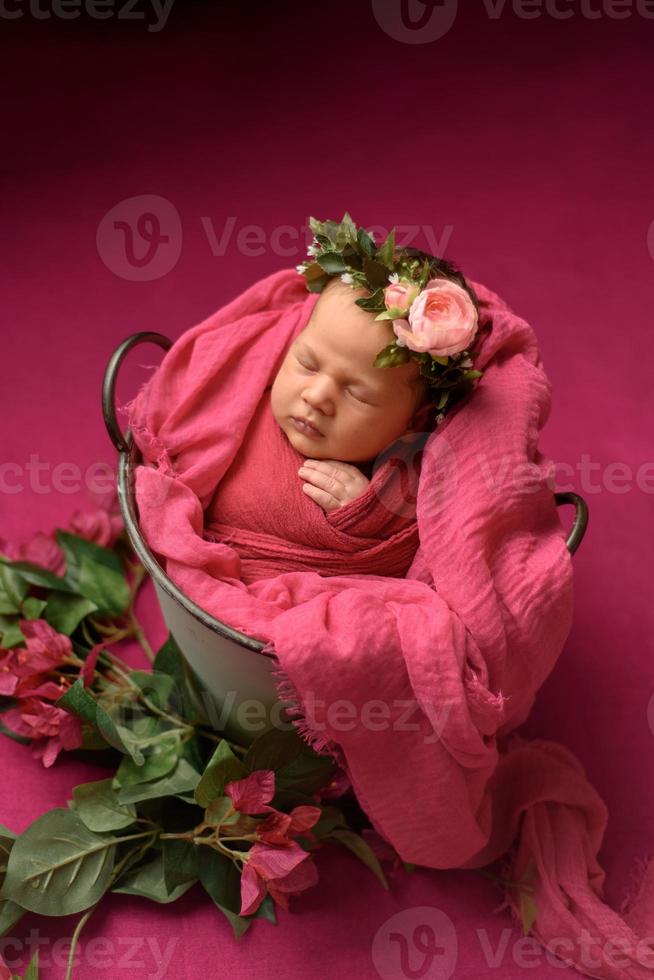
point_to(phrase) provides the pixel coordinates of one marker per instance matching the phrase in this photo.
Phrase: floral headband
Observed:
(434, 319)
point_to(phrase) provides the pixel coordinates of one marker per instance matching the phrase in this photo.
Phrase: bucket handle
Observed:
(581, 518)
(146, 337)
(111, 375)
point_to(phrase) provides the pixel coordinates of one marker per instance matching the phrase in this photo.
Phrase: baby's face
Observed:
(327, 377)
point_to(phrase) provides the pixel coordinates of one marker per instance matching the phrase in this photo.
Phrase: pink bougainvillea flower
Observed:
(5, 972)
(382, 849)
(24, 670)
(100, 526)
(89, 664)
(253, 890)
(41, 550)
(52, 729)
(339, 785)
(279, 828)
(296, 881)
(282, 871)
(253, 793)
(272, 862)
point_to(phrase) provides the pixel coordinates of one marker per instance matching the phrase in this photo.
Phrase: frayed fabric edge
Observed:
(643, 868)
(294, 707)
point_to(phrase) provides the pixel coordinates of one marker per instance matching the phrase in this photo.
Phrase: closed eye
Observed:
(308, 367)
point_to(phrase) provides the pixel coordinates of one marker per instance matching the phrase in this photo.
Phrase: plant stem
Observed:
(73, 942)
(140, 635)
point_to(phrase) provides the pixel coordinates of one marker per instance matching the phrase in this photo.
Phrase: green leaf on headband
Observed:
(391, 356)
(366, 243)
(386, 252)
(332, 263)
(373, 303)
(376, 273)
(346, 233)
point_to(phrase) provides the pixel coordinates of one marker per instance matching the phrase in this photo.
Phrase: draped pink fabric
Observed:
(414, 683)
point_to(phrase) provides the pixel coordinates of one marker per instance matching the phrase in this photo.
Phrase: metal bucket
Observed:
(230, 677)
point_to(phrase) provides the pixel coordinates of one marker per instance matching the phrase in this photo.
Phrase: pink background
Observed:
(523, 147)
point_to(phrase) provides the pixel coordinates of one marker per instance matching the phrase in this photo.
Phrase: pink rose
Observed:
(442, 320)
(400, 295)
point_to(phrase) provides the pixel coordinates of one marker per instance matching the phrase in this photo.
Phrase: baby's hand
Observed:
(332, 483)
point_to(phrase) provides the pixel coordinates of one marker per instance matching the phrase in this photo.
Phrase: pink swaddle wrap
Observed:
(455, 650)
(274, 528)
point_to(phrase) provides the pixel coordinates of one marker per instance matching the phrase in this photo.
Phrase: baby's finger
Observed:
(321, 497)
(324, 479)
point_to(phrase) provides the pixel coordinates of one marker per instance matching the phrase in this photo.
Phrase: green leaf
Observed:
(32, 971)
(159, 760)
(330, 819)
(65, 611)
(155, 685)
(32, 608)
(10, 914)
(307, 773)
(22, 739)
(222, 881)
(148, 881)
(273, 749)
(180, 862)
(217, 810)
(358, 846)
(36, 575)
(13, 590)
(386, 251)
(182, 779)
(528, 912)
(222, 768)
(58, 866)
(366, 243)
(169, 660)
(78, 701)
(11, 633)
(98, 807)
(331, 263)
(391, 356)
(95, 573)
(376, 273)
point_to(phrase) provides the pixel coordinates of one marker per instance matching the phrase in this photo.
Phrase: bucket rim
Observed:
(125, 485)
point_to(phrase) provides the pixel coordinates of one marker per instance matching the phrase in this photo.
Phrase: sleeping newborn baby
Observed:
(334, 407)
